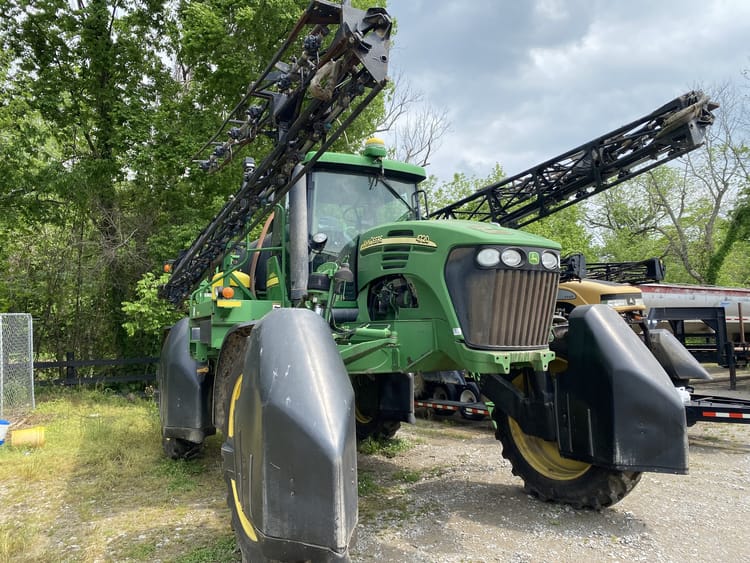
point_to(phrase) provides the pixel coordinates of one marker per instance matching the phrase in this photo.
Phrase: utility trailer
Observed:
(709, 408)
(610, 283)
(479, 409)
(698, 408)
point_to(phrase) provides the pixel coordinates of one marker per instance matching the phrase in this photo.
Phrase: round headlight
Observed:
(549, 260)
(511, 257)
(488, 257)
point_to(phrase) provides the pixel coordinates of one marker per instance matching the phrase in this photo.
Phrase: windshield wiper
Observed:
(393, 191)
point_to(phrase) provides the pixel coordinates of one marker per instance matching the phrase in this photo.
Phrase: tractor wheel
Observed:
(367, 412)
(177, 448)
(247, 539)
(549, 476)
(470, 395)
(247, 370)
(229, 383)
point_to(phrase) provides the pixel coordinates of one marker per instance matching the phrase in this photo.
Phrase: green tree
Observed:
(91, 75)
(101, 105)
(690, 213)
(565, 227)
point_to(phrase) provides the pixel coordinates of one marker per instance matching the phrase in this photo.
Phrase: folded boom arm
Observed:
(309, 100)
(673, 130)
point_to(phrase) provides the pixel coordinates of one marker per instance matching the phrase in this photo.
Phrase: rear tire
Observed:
(177, 448)
(550, 477)
(368, 418)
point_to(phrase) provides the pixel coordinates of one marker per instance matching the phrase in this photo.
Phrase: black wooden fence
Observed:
(107, 371)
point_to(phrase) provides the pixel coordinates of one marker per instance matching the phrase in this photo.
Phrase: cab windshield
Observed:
(344, 205)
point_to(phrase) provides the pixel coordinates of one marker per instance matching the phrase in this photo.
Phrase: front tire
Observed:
(229, 383)
(247, 539)
(551, 477)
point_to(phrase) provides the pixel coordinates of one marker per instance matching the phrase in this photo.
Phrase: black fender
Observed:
(616, 406)
(679, 364)
(293, 451)
(184, 392)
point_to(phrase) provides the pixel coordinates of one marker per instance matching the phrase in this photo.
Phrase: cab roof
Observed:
(354, 161)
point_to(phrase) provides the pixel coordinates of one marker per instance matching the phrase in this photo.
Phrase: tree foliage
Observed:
(565, 227)
(692, 213)
(102, 103)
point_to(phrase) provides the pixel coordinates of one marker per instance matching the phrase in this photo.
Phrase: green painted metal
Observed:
(423, 334)
(369, 163)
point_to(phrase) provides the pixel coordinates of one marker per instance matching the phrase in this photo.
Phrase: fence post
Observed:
(31, 358)
(70, 371)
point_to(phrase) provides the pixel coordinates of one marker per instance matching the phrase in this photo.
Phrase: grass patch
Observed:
(14, 540)
(387, 447)
(366, 484)
(408, 475)
(100, 489)
(181, 475)
(140, 551)
(224, 549)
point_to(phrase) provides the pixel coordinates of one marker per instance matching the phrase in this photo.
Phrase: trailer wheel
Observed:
(470, 395)
(550, 477)
(367, 410)
(443, 393)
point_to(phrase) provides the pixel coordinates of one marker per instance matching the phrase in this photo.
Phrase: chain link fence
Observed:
(16, 363)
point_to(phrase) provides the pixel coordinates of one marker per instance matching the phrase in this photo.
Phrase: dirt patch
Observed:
(102, 491)
(451, 497)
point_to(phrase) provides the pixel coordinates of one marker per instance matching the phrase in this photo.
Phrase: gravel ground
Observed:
(451, 497)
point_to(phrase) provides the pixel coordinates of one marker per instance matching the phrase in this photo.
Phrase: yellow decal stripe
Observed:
(235, 396)
(247, 526)
(419, 240)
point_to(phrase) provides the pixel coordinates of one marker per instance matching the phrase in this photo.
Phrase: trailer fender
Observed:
(290, 450)
(616, 406)
(184, 390)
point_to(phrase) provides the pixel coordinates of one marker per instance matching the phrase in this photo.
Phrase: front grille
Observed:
(501, 308)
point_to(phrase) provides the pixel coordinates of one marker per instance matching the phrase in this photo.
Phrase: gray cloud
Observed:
(524, 81)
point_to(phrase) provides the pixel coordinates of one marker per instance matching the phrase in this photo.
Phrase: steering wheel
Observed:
(339, 232)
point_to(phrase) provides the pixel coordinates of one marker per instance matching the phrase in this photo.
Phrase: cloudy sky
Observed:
(525, 80)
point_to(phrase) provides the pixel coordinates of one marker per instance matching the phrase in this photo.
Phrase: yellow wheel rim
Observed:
(543, 455)
(359, 383)
(361, 417)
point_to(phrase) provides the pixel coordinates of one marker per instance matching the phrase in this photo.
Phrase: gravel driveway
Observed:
(451, 497)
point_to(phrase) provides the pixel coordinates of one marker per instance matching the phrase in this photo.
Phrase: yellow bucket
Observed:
(30, 437)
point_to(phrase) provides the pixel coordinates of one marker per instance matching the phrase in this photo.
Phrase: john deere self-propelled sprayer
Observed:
(306, 337)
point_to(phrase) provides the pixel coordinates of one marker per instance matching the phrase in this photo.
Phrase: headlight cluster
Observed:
(516, 257)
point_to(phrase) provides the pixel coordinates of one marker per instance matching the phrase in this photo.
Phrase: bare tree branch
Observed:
(415, 126)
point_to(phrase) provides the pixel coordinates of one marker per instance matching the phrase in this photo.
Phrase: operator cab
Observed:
(345, 204)
(349, 194)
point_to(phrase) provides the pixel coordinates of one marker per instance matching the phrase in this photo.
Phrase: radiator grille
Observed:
(501, 308)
